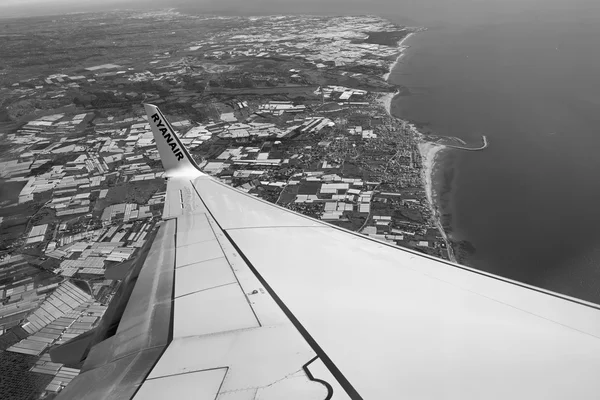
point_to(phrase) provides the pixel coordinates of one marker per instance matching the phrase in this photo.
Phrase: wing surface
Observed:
(270, 304)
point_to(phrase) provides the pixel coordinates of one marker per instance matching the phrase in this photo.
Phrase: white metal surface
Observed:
(293, 388)
(409, 318)
(182, 199)
(320, 371)
(233, 209)
(255, 357)
(203, 275)
(198, 252)
(219, 309)
(201, 385)
(394, 326)
(193, 229)
(224, 317)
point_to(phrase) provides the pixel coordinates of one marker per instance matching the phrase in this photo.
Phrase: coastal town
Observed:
(293, 110)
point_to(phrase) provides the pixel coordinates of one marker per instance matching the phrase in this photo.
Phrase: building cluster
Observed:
(339, 196)
(343, 95)
(21, 293)
(55, 285)
(57, 318)
(54, 275)
(320, 41)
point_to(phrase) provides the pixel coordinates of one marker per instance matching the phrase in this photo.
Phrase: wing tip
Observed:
(175, 157)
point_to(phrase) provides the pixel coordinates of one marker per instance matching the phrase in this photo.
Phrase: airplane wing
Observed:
(240, 299)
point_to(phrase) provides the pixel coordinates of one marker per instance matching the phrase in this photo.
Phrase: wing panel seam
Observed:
(204, 290)
(337, 374)
(225, 253)
(333, 369)
(189, 372)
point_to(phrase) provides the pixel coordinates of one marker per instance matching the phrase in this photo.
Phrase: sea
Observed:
(527, 207)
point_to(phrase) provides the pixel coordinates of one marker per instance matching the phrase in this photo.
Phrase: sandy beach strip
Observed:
(386, 102)
(402, 48)
(429, 152)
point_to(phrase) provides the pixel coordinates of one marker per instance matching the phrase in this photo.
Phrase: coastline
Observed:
(401, 47)
(386, 102)
(429, 152)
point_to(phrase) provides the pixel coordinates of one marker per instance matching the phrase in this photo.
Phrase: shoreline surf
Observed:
(402, 49)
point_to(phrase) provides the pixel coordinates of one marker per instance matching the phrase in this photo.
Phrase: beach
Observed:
(386, 102)
(401, 47)
(429, 153)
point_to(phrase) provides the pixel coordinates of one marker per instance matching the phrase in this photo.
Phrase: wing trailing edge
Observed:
(175, 157)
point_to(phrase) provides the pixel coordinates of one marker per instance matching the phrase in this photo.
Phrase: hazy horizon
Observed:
(429, 12)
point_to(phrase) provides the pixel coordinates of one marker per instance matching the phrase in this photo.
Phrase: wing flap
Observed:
(203, 275)
(199, 385)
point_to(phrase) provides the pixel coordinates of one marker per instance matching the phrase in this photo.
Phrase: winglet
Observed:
(175, 158)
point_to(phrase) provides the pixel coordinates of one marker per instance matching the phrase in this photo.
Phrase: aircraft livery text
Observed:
(170, 139)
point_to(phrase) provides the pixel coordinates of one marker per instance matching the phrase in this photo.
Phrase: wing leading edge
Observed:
(271, 304)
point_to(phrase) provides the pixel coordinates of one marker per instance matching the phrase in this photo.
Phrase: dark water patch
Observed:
(9, 191)
(527, 206)
(386, 38)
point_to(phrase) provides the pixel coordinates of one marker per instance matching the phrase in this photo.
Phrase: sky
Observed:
(422, 12)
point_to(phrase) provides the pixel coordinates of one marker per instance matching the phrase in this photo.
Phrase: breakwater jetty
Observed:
(482, 147)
